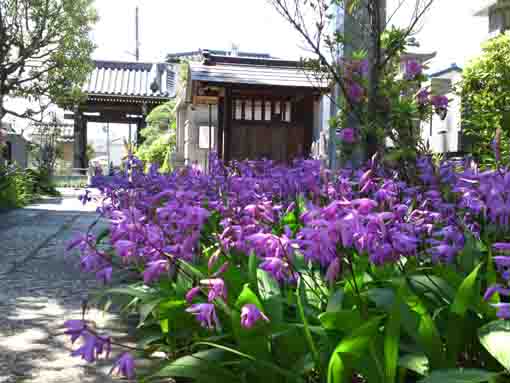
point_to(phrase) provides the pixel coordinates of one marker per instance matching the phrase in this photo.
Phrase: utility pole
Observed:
(137, 26)
(350, 25)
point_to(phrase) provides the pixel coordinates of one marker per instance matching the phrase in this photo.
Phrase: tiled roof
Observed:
(179, 55)
(255, 72)
(131, 79)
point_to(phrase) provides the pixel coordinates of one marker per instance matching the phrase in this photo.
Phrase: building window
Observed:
(262, 110)
(203, 137)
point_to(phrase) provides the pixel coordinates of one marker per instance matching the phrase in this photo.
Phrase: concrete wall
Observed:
(189, 120)
(19, 150)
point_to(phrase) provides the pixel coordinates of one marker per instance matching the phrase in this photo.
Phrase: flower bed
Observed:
(262, 272)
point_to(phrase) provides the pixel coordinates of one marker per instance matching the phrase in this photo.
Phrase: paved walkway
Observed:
(40, 288)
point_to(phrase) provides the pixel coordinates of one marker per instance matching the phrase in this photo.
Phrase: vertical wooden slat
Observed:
(253, 109)
(243, 109)
(272, 109)
(219, 134)
(228, 124)
(263, 115)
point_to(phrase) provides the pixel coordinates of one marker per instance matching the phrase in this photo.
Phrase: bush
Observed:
(258, 272)
(16, 187)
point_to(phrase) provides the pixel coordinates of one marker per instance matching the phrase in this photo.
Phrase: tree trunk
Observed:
(377, 24)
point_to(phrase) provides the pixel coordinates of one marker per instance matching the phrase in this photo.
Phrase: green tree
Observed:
(367, 39)
(159, 135)
(485, 92)
(45, 51)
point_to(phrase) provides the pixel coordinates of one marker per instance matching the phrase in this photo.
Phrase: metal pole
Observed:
(137, 51)
(129, 140)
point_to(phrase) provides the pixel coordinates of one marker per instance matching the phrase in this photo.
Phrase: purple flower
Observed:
(423, 97)
(355, 92)
(105, 275)
(205, 314)
(93, 347)
(333, 270)
(125, 366)
(277, 267)
(364, 205)
(413, 69)
(216, 287)
(496, 289)
(75, 328)
(250, 314)
(503, 310)
(348, 135)
(503, 265)
(192, 293)
(125, 248)
(154, 270)
(501, 247)
(439, 102)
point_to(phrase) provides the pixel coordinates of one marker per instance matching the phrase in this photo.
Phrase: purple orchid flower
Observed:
(125, 366)
(205, 314)
(250, 315)
(217, 288)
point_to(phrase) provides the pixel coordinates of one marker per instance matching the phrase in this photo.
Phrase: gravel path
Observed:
(40, 288)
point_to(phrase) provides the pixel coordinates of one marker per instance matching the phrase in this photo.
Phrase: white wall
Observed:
(444, 137)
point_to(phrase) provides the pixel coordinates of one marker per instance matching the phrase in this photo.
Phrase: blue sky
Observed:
(181, 25)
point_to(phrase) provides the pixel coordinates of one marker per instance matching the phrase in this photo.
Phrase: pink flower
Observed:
(250, 314)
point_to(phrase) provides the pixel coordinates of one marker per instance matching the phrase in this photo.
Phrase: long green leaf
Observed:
(468, 292)
(261, 363)
(392, 338)
(352, 345)
(306, 329)
(427, 334)
(459, 376)
(203, 366)
(495, 337)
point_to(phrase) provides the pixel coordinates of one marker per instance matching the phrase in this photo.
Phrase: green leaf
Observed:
(308, 335)
(252, 272)
(468, 293)
(247, 296)
(459, 376)
(392, 338)
(140, 292)
(426, 333)
(261, 363)
(335, 301)
(495, 337)
(352, 346)
(271, 297)
(343, 321)
(418, 363)
(203, 366)
(147, 308)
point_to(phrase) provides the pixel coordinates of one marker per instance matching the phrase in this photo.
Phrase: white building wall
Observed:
(443, 136)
